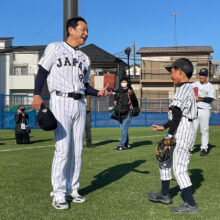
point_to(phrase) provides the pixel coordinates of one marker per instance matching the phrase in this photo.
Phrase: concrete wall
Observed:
(2, 74)
(20, 82)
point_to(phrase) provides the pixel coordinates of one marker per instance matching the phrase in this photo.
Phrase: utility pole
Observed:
(70, 10)
(134, 68)
(175, 34)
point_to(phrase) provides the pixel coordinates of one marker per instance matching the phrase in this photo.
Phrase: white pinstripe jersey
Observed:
(69, 68)
(205, 90)
(185, 99)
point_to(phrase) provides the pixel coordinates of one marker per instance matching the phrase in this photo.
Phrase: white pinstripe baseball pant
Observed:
(185, 136)
(203, 122)
(66, 164)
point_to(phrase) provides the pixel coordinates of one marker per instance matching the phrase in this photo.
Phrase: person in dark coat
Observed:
(88, 123)
(21, 128)
(125, 106)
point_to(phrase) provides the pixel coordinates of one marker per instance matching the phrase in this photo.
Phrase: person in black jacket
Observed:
(88, 123)
(21, 128)
(125, 106)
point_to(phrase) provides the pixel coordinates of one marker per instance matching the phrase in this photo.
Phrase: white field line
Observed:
(26, 148)
(135, 137)
(38, 147)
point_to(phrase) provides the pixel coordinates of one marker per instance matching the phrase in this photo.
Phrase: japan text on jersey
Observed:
(69, 68)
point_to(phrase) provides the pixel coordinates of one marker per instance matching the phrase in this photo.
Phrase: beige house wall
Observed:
(155, 80)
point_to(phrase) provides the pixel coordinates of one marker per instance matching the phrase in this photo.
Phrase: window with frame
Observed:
(194, 69)
(20, 70)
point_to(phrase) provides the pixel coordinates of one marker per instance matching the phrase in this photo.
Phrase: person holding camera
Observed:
(21, 128)
(125, 107)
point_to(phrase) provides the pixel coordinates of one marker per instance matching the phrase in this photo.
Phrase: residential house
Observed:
(103, 63)
(155, 82)
(18, 67)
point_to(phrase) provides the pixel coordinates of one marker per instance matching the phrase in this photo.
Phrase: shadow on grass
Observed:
(2, 143)
(196, 179)
(105, 142)
(38, 141)
(197, 148)
(111, 175)
(141, 143)
(7, 139)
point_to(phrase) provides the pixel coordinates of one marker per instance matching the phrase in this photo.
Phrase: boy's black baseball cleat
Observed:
(185, 208)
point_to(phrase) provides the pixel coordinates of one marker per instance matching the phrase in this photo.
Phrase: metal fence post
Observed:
(95, 110)
(1, 110)
(145, 111)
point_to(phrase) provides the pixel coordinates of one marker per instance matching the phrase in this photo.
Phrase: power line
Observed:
(44, 27)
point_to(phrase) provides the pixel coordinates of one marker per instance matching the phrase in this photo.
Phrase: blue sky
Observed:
(115, 24)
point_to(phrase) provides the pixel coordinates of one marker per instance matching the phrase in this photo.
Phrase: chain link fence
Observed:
(153, 111)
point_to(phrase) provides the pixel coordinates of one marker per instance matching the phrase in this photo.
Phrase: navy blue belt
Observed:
(76, 96)
(191, 120)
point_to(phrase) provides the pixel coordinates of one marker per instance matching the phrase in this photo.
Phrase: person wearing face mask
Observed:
(21, 128)
(125, 106)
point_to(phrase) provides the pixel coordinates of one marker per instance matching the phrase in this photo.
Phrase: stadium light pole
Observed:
(70, 10)
(127, 52)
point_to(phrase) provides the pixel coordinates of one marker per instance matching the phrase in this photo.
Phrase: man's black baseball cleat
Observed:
(203, 152)
(159, 197)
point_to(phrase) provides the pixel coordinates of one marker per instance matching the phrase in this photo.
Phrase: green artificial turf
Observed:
(115, 183)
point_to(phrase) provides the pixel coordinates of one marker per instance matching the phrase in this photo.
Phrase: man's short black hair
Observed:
(73, 22)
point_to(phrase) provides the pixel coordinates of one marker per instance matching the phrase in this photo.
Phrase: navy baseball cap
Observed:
(46, 120)
(203, 72)
(184, 64)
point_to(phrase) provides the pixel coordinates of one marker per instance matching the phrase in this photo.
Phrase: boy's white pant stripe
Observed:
(66, 165)
(185, 136)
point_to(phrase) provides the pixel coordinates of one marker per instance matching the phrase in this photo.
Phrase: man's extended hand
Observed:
(198, 99)
(37, 102)
(157, 128)
(104, 92)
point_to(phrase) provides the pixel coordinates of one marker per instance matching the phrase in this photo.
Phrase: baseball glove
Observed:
(165, 149)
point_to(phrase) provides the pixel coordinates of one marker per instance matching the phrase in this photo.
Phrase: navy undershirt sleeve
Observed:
(90, 90)
(207, 99)
(174, 123)
(40, 79)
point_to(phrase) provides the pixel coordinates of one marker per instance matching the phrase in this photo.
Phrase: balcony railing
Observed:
(155, 76)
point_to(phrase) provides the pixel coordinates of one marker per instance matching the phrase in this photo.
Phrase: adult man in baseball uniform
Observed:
(205, 94)
(67, 70)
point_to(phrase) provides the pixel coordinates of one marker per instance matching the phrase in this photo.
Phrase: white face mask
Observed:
(123, 85)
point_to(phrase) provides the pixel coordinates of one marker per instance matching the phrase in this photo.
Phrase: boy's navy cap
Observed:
(46, 120)
(203, 72)
(184, 64)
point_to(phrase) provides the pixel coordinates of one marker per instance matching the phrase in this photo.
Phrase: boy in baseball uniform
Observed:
(182, 111)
